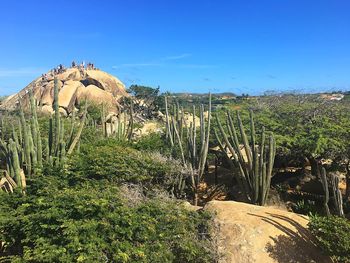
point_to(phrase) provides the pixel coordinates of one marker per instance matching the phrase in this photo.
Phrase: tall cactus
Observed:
(337, 196)
(24, 151)
(193, 155)
(324, 182)
(131, 121)
(76, 139)
(26, 143)
(254, 169)
(15, 162)
(104, 120)
(123, 127)
(36, 131)
(57, 119)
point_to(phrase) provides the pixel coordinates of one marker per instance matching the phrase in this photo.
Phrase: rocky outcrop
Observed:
(248, 233)
(75, 86)
(96, 95)
(68, 94)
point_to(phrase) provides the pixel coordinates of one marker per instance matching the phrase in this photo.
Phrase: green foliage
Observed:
(333, 236)
(90, 223)
(114, 161)
(148, 95)
(143, 92)
(94, 111)
(153, 142)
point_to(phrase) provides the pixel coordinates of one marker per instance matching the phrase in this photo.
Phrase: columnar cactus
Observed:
(337, 196)
(57, 119)
(192, 154)
(324, 182)
(26, 143)
(254, 169)
(24, 151)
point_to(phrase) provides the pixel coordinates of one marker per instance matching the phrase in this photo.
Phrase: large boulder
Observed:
(96, 95)
(68, 94)
(107, 82)
(248, 233)
(75, 85)
(47, 93)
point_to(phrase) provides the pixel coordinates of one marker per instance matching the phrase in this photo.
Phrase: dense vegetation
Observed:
(113, 196)
(85, 213)
(333, 236)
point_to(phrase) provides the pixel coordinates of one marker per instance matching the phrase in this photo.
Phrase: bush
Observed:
(90, 223)
(153, 142)
(116, 162)
(333, 236)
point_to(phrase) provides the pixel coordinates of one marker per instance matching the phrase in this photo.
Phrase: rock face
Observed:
(249, 233)
(75, 86)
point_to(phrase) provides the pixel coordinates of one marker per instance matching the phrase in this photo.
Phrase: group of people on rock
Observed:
(61, 68)
(89, 66)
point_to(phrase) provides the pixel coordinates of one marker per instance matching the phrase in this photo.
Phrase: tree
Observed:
(145, 97)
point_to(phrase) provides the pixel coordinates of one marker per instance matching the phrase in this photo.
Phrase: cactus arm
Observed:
(168, 131)
(15, 163)
(205, 143)
(194, 135)
(56, 117)
(26, 144)
(272, 154)
(242, 177)
(247, 148)
(325, 189)
(77, 137)
(236, 146)
(180, 143)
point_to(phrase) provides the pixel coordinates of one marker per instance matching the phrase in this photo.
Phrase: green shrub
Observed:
(122, 164)
(90, 223)
(333, 236)
(153, 142)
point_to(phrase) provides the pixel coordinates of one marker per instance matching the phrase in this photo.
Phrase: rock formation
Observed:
(248, 233)
(75, 86)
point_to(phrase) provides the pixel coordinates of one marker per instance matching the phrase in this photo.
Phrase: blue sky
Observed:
(198, 46)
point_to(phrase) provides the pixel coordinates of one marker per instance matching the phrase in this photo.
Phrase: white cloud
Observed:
(199, 66)
(184, 55)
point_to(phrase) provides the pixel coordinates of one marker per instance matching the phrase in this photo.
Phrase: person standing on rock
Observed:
(73, 64)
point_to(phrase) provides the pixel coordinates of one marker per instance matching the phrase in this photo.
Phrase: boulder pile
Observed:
(75, 86)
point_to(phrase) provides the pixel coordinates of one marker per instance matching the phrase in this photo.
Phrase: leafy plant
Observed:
(90, 223)
(112, 160)
(153, 142)
(333, 236)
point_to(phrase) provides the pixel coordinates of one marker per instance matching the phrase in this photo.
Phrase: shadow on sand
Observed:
(296, 245)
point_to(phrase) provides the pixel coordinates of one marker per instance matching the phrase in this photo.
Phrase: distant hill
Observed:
(193, 94)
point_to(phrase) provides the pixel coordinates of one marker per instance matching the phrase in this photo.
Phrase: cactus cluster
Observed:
(337, 196)
(251, 163)
(122, 128)
(26, 149)
(193, 150)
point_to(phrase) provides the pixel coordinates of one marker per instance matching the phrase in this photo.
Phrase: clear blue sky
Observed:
(241, 46)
